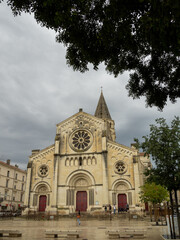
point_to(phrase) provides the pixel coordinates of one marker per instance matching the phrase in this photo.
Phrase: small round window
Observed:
(43, 170)
(120, 167)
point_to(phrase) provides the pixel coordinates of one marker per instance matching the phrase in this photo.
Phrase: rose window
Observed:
(120, 167)
(81, 140)
(43, 171)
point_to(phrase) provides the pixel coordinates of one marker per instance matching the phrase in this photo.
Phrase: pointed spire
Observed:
(102, 109)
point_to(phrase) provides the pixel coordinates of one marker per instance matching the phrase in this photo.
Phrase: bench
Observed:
(10, 233)
(59, 233)
(127, 233)
(135, 233)
(113, 234)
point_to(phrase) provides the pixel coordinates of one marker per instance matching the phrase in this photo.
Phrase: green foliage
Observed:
(163, 144)
(140, 35)
(150, 192)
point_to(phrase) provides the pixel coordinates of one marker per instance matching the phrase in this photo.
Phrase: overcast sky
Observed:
(38, 90)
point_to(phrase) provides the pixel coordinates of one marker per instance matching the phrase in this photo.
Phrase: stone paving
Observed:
(90, 229)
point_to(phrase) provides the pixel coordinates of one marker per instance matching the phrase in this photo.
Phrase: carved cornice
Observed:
(121, 148)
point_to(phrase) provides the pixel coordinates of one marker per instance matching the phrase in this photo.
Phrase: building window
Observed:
(7, 173)
(80, 161)
(14, 186)
(43, 170)
(21, 197)
(23, 178)
(22, 187)
(7, 182)
(16, 176)
(120, 167)
(13, 198)
(5, 195)
(81, 140)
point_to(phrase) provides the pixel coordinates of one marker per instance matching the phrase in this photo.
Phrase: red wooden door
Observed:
(122, 201)
(81, 201)
(146, 206)
(42, 203)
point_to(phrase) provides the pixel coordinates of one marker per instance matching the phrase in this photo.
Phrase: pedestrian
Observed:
(127, 207)
(114, 207)
(78, 217)
(110, 211)
(105, 208)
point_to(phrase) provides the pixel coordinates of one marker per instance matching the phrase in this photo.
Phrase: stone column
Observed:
(57, 144)
(105, 171)
(54, 186)
(28, 187)
(136, 179)
(54, 195)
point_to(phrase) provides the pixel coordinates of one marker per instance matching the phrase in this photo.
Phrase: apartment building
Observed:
(12, 186)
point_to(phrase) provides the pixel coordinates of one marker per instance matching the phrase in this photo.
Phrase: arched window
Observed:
(80, 161)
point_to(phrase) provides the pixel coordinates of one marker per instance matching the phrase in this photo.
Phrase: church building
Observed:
(85, 169)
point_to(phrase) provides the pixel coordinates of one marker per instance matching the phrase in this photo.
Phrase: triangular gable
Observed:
(81, 113)
(42, 152)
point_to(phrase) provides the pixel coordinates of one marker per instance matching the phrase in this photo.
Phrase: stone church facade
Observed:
(85, 169)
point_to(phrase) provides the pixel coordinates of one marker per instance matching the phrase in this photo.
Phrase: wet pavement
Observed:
(90, 229)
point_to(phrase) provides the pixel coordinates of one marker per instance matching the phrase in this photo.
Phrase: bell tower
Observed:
(103, 113)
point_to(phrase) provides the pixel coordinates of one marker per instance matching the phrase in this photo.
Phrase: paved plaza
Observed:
(90, 229)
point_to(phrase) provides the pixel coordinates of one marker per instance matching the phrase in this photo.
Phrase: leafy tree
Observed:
(156, 194)
(150, 192)
(142, 36)
(163, 144)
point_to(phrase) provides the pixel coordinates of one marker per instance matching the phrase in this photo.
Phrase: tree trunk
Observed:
(170, 225)
(150, 208)
(165, 212)
(155, 213)
(177, 210)
(172, 210)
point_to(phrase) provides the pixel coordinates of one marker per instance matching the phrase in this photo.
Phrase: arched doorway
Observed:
(81, 201)
(42, 203)
(80, 195)
(122, 202)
